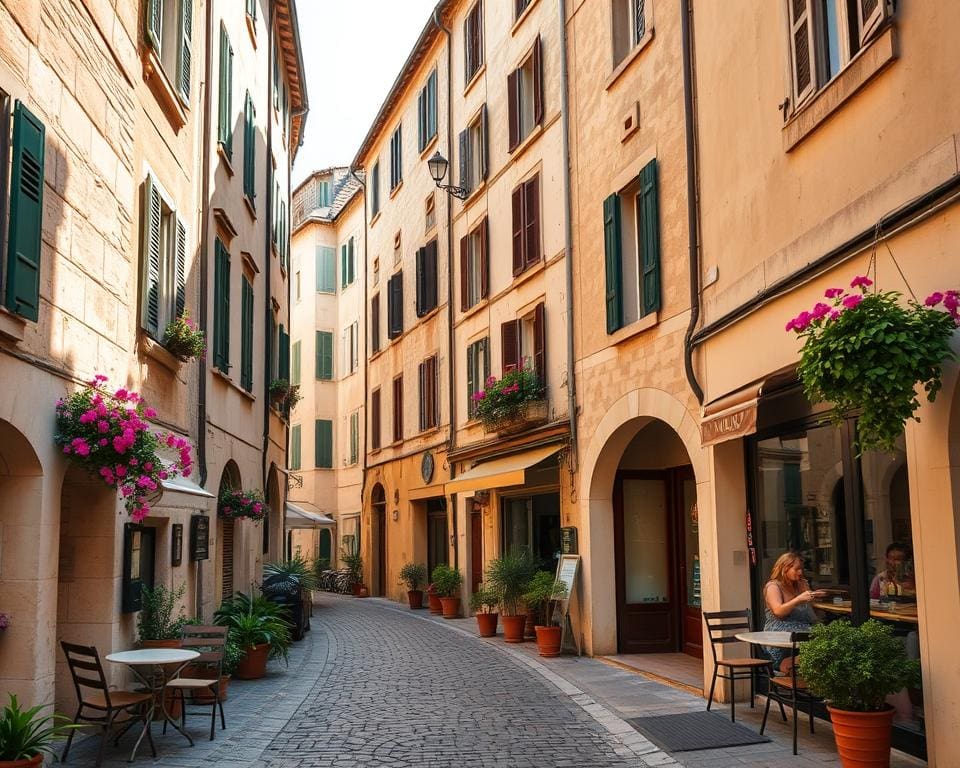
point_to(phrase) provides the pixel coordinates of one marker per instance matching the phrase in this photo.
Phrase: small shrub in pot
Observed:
(413, 576)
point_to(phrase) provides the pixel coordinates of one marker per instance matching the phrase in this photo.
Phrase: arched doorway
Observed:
(229, 480)
(378, 501)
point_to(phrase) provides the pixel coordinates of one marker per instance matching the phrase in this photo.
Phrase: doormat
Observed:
(694, 730)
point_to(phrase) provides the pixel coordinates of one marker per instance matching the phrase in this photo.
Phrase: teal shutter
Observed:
(246, 343)
(351, 262)
(354, 437)
(26, 214)
(152, 257)
(324, 355)
(154, 22)
(295, 379)
(225, 122)
(284, 355)
(180, 300)
(324, 444)
(343, 265)
(326, 269)
(295, 447)
(650, 237)
(249, 149)
(471, 378)
(613, 257)
(221, 309)
(185, 57)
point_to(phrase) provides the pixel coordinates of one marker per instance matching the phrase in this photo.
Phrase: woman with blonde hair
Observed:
(787, 596)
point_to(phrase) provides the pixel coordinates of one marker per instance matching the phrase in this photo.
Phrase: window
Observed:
(375, 323)
(22, 278)
(283, 354)
(295, 446)
(825, 35)
(426, 278)
(169, 29)
(375, 420)
(631, 238)
(375, 190)
(519, 6)
(474, 267)
(323, 444)
(429, 399)
(395, 306)
(398, 409)
(427, 112)
(396, 158)
(323, 194)
(430, 213)
(525, 96)
(473, 152)
(246, 334)
(351, 346)
(324, 355)
(252, 9)
(295, 374)
(478, 369)
(532, 524)
(347, 264)
(164, 251)
(221, 306)
(523, 343)
(354, 437)
(397, 254)
(473, 42)
(526, 225)
(250, 155)
(326, 269)
(225, 91)
(629, 26)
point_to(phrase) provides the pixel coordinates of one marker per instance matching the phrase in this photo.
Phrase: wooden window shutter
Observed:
(434, 392)
(283, 354)
(246, 340)
(484, 258)
(295, 447)
(226, 550)
(295, 376)
(154, 19)
(484, 144)
(152, 256)
(531, 216)
(354, 437)
(537, 82)
(518, 242)
(464, 143)
(510, 345)
(540, 344)
(324, 360)
(613, 255)
(472, 375)
(801, 49)
(430, 258)
(225, 114)
(513, 110)
(650, 237)
(420, 282)
(343, 265)
(375, 419)
(375, 323)
(252, 9)
(221, 310)
(870, 14)
(421, 119)
(250, 157)
(323, 455)
(180, 275)
(465, 273)
(351, 261)
(422, 399)
(398, 409)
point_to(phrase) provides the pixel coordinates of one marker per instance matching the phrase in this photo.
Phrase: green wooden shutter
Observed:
(471, 378)
(351, 261)
(323, 454)
(249, 149)
(180, 300)
(283, 355)
(326, 269)
(225, 122)
(221, 309)
(343, 265)
(154, 19)
(295, 379)
(246, 343)
(152, 256)
(26, 214)
(613, 258)
(283, 234)
(650, 237)
(295, 447)
(354, 437)
(185, 57)
(324, 355)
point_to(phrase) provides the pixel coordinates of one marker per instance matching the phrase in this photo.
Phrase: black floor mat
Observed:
(695, 730)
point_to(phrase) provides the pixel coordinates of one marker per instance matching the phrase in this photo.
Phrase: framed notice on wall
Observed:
(176, 544)
(199, 537)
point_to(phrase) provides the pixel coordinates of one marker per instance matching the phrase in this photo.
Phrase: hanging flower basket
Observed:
(183, 339)
(4, 621)
(867, 352)
(108, 435)
(513, 403)
(235, 504)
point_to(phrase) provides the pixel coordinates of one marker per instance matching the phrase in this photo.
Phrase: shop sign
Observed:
(729, 424)
(199, 537)
(568, 541)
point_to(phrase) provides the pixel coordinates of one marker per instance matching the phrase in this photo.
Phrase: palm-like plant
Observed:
(25, 733)
(290, 576)
(254, 621)
(509, 575)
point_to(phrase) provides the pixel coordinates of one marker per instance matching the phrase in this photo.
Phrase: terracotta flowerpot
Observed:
(548, 640)
(355, 589)
(863, 738)
(415, 598)
(513, 628)
(254, 663)
(433, 601)
(487, 622)
(30, 762)
(450, 606)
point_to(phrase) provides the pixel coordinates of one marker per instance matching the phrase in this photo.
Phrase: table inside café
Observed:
(901, 610)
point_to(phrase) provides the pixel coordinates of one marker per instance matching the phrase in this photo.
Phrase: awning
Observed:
(303, 514)
(502, 473)
(731, 416)
(180, 484)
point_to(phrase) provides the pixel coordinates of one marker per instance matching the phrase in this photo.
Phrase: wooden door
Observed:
(381, 551)
(687, 526)
(476, 551)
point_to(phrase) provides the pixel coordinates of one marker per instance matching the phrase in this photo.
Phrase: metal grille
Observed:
(639, 20)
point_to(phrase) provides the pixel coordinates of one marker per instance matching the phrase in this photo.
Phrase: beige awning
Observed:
(501, 473)
(303, 514)
(179, 483)
(731, 416)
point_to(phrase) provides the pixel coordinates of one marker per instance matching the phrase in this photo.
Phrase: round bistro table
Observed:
(772, 639)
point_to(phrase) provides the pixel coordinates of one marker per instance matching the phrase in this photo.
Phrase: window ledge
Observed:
(225, 158)
(476, 77)
(428, 315)
(635, 328)
(475, 193)
(396, 189)
(252, 28)
(375, 355)
(231, 383)
(631, 57)
(528, 273)
(529, 139)
(375, 218)
(868, 63)
(430, 145)
(429, 431)
(168, 97)
(476, 308)
(251, 208)
(157, 352)
(12, 326)
(522, 17)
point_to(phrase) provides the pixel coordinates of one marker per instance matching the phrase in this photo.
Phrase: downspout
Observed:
(366, 350)
(568, 236)
(693, 198)
(451, 379)
(268, 289)
(202, 260)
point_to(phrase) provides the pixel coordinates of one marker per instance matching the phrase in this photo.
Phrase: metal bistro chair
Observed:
(791, 689)
(721, 628)
(105, 705)
(209, 641)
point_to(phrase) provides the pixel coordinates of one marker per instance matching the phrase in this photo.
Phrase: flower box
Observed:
(523, 417)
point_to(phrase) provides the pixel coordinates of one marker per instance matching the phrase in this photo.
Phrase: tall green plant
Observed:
(542, 594)
(509, 576)
(446, 580)
(413, 575)
(156, 620)
(291, 575)
(25, 733)
(354, 564)
(254, 621)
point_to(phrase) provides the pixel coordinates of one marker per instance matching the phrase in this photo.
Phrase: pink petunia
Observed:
(801, 321)
(832, 293)
(834, 315)
(852, 301)
(820, 311)
(150, 413)
(933, 299)
(861, 281)
(951, 302)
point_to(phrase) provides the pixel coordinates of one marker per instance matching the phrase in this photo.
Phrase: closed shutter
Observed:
(484, 144)
(284, 239)
(343, 265)
(154, 19)
(375, 323)
(613, 255)
(422, 119)
(180, 276)
(324, 361)
(221, 310)
(870, 14)
(375, 420)
(295, 447)
(801, 49)
(422, 399)
(354, 437)
(531, 217)
(225, 116)
(465, 160)
(430, 275)
(324, 444)
(420, 282)
(465, 273)
(472, 376)
(283, 355)
(250, 157)
(395, 306)
(510, 345)
(351, 262)
(537, 82)
(484, 258)
(517, 207)
(226, 554)
(431, 106)
(152, 255)
(540, 344)
(295, 378)
(246, 341)
(513, 108)
(650, 237)
(398, 409)
(185, 58)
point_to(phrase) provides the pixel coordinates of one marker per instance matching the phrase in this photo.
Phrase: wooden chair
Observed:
(791, 689)
(209, 641)
(105, 706)
(721, 628)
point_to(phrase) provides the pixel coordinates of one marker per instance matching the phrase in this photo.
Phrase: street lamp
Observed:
(438, 170)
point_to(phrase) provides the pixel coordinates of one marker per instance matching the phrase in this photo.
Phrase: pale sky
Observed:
(352, 51)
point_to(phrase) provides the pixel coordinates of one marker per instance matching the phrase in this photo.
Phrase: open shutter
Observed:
(181, 268)
(152, 257)
(186, 33)
(870, 14)
(26, 214)
(420, 282)
(421, 119)
(246, 335)
(398, 408)
(650, 237)
(801, 49)
(422, 399)
(484, 144)
(484, 258)
(613, 255)
(375, 323)
(540, 344)
(154, 19)
(351, 261)
(431, 274)
(537, 82)
(283, 357)
(221, 319)
(375, 419)
(531, 216)
(517, 205)
(465, 273)
(510, 345)
(464, 141)
(513, 108)
(225, 123)
(472, 375)
(343, 265)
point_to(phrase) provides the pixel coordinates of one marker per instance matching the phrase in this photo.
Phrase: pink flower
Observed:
(801, 321)
(478, 396)
(861, 281)
(150, 413)
(121, 394)
(933, 299)
(162, 475)
(852, 301)
(951, 302)
(790, 324)
(120, 470)
(88, 417)
(491, 380)
(832, 293)
(80, 446)
(834, 315)
(820, 311)
(103, 442)
(103, 426)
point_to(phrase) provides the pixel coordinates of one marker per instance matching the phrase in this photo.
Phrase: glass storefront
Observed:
(533, 523)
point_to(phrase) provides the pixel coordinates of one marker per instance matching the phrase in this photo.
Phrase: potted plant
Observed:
(433, 600)
(484, 604)
(354, 565)
(854, 669)
(234, 504)
(183, 339)
(289, 583)
(513, 403)
(157, 626)
(259, 628)
(543, 593)
(413, 575)
(278, 390)
(509, 576)
(26, 735)
(447, 582)
(867, 352)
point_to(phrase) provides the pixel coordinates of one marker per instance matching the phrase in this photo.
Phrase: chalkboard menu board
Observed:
(568, 541)
(199, 537)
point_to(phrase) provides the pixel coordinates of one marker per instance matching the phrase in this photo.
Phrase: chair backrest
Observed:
(209, 640)
(723, 625)
(87, 672)
(796, 638)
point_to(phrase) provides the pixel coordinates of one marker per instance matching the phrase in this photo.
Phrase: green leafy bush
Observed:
(290, 576)
(413, 575)
(25, 733)
(233, 654)
(354, 564)
(254, 621)
(156, 620)
(856, 668)
(184, 339)
(509, 576)
(233, 504)
(446, 580)
(485, 599)
(542, 595)
(504, 398)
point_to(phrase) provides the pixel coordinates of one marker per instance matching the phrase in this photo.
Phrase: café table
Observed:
(773, 639)
(155, 667)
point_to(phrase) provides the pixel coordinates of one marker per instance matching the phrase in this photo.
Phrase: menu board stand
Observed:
(567, 569)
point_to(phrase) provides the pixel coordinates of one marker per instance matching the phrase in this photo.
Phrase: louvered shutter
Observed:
(472, 375)
(295, 377)
(464, 143)
(422, 399)
(323, 454)
(420, 282)
(354, 437)
(284, 239)
(517, 206)
(283, 354)
(422, 119)
(510, 345)
(484, 258)
(226, 551)
(513, 109)
(154, 19)
(343, 265)
(870, 14)
(613, 255)
(465, 273)
(225, 113)
(180, 300)
(650, 237)
(246, 335)
(186, 32)
(540, 344)
(432, 106)
(295, 447)
(430, 269)
(801, 48)
(152, 254)
(484, 144)
(375, 419)
(351, 261)
(398, 409)
(375, 323)
(324, 355)
(395, 306)
(26, 214)
(221, 322)
(249, 157)
(537, 82)
(531, 216)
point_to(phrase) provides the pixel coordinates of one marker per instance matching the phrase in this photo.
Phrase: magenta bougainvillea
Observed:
(249, 504)
(109, 434)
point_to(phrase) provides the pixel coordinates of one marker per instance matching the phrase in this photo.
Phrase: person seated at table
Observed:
(787, 596)
(892, 580)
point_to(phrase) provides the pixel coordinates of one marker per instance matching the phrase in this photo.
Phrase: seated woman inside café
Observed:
(893, 579)
(788, 597)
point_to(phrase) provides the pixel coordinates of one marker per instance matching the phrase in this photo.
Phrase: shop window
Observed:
(532, 523)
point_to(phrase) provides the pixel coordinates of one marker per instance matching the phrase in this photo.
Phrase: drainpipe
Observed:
(366, 350)
(693, 197)
(268, 261)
